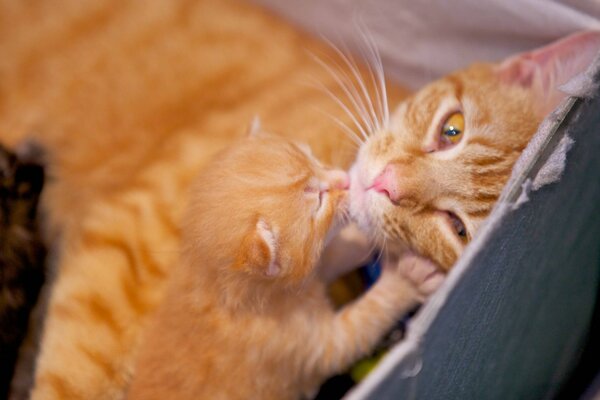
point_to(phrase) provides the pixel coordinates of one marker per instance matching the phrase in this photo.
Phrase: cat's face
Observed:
(271, 206)
(433, 177)
(430, 179)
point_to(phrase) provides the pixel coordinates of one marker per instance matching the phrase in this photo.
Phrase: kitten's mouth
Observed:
(456, 224)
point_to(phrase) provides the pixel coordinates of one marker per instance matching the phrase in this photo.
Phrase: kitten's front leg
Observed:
(356, 328)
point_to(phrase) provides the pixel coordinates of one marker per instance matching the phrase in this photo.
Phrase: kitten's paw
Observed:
(422, 273)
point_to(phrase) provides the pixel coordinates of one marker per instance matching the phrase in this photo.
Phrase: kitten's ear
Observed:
(258, 252)
(548, 67)
(254, 127)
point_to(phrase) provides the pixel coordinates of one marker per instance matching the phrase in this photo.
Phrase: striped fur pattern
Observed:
(413, 186)
(131, 99)
(246, 315)
(466, 179)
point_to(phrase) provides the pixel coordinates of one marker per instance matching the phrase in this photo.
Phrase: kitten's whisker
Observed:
(343, 107)
(349, 90)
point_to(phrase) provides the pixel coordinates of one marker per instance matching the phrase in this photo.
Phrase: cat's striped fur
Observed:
(130, 98)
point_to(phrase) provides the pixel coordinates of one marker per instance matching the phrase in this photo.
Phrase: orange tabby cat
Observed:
(246, 315)
(131, 98)
(433, 173)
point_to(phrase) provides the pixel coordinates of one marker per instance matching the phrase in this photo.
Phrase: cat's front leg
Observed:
(110, 282)
(358, 327)
(347, 251)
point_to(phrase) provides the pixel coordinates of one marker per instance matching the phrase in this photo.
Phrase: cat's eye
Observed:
(453, 129)
(458, 226)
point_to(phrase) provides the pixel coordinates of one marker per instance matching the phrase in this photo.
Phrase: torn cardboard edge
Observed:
(544, 159)
(541, 163)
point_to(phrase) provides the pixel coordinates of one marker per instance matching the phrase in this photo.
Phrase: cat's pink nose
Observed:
(387, 183)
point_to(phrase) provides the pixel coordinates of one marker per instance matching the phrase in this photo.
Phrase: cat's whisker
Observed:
(381, 250)
(345, 128)
(363, 86)
(345, 83)
(382, 90)
(374, 60)
(344, 107)
(374, 243)
(350, 63)
(346, 216)
(369, 55)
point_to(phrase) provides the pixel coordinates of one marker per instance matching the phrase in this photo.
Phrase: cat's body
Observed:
(128, 125)
(246, 314)
(132, 98)
(22, 254)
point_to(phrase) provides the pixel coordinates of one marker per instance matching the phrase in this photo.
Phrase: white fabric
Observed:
(422, 40)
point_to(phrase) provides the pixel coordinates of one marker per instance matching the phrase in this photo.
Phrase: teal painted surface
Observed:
(515, 325)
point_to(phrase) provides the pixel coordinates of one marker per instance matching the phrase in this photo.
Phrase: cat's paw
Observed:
(423, 274)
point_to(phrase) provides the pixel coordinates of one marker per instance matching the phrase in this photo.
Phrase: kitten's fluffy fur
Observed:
(131, 98)
(246, 315)
(22, 253)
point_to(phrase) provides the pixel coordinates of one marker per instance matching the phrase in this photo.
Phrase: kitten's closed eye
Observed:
(318, 189)
(315, 192)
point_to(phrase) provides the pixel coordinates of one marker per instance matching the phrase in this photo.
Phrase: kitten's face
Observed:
(431, 179)
(276, 200)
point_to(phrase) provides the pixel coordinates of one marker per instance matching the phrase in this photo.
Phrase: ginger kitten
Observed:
(246, 315)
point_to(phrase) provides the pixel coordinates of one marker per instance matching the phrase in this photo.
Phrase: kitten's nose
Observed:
(338, 179)
(387, 183)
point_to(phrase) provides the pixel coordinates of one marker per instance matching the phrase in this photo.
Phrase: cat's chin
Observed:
(358, 204)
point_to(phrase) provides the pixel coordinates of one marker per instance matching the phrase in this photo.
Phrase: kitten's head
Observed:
(431, 178)
(265, 208)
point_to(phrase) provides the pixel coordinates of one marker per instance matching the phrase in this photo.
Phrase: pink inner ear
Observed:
(550, 66)
(269, 238)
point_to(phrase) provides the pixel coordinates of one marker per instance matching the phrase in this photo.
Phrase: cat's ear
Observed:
(258, 252)
(254, 127)
(545, 69)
